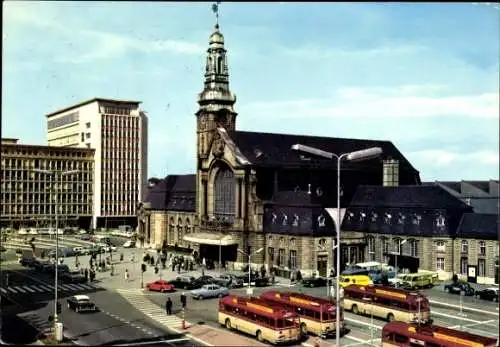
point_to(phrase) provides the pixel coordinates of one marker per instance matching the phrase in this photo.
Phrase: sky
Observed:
(424, 76)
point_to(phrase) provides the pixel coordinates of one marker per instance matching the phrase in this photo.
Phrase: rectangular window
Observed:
(293, 259)
(465, 247)
(87, 125)
(440, 246)
(87, 135)
(271, 253)
(414, 248)
(481, 267)
(482, 248)
(463, 265)
(385, 246)
(440, 264)
(83, 137)
(281, 257)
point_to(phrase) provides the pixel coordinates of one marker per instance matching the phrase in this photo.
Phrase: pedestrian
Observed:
(168, 306)
(183, 300)
(126, 275)
(173, 266)
(156, 269)
(86, 274)
(121, 256)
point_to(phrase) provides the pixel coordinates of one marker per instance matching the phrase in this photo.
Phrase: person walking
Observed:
(126, 275)
(168, 306)
(183, 300)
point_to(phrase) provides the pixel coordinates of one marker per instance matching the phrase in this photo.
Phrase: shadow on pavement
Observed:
(151, 340)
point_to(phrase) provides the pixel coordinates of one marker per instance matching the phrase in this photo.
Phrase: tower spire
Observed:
(215, 9)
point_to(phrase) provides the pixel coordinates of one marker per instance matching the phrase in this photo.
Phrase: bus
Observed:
(401, 334)
(317, 315)
(258, 317)
(387, 303)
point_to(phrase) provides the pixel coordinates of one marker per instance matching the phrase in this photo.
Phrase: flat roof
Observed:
(49, 148)
(91, 101)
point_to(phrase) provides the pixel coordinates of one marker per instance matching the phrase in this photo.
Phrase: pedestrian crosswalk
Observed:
(137, 299)
(47, 288)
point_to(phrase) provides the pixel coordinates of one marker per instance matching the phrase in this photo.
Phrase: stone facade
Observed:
(482, 255)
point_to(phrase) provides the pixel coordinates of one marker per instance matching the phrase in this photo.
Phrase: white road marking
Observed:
(29, 289)
(3, 290)
(65, 288)
(12, 290)
(154, 342)
(86, 286)
(20, 289)
(455, 317)
(37, 288)
(465, 308)
(48, 286)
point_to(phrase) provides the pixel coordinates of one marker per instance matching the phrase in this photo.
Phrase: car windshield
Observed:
(83, 300)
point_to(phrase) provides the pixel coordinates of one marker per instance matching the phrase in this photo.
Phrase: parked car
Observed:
(229, 281)
(128, 244)
(457, 287)
(244, 277)
(202, 280)
(492, 294)
(314, 282)
(184, 282)
(73, 277)
(262, 281)
(160, 286)
(209, 291)
(27, 260)
(81, 303)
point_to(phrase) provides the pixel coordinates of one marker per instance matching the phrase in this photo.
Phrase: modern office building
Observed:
(29, 198)
(118, 131)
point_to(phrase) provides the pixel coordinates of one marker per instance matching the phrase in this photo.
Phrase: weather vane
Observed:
(215, 9)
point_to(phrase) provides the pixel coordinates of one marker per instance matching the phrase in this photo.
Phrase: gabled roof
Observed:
(174, 192)
(269, 149)
(479, 226)
(433, 197)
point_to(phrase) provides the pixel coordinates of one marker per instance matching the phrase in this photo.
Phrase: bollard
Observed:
(183, 319)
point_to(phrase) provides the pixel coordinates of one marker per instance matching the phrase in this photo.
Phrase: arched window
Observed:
(171, 231)
(370, 242)
(225, 194)
(179, 232)
(187, 228)
(220, 65)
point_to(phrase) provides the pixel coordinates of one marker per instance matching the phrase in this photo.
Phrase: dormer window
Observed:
(321, 221)
(362, 217)
(440, 221)
(257, 152)
(285, 219)
(350, 215)
(374, 217)
(275, 216)
(401, 218)
(292, 242)
(319, 191)
(387, 218)
(322, 243)
(416, 219)
(270, 238)
(282, 241)
(295, 221)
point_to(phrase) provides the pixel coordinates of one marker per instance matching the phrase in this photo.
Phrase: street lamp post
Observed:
(364, 154)
(58, 178)
(249, 255)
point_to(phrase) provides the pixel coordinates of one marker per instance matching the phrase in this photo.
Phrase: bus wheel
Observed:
(228, 323)
(390, 317)
(258, 334)
(354, 309)
(303, 328)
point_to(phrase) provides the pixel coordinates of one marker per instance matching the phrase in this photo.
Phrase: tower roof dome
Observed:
(216, 39)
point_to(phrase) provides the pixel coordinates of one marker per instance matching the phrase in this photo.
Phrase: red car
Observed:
(160, 286)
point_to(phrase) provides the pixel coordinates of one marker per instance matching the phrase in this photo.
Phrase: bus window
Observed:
(328, 316)
(284, 323)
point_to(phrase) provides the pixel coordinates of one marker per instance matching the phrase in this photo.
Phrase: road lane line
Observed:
(72, 286)
(46, 287)
(85, 286)
(3, 290)
(440, 303)
(12, 290)
(81, 286)
(29, 289)
(455, 317)
(64, 288)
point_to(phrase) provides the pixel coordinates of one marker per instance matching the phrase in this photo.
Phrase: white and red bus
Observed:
(401, 334)
(317, 315)
(261, 318)
(387, 303)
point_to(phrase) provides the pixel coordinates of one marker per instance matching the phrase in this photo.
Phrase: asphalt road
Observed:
(116, 323)
(484, 321)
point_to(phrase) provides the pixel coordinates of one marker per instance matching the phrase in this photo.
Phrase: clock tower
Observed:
(216, 102)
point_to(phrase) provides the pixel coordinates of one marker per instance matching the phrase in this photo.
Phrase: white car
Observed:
(128, 244)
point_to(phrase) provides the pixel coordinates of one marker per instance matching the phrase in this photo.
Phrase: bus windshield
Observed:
(285, 323)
